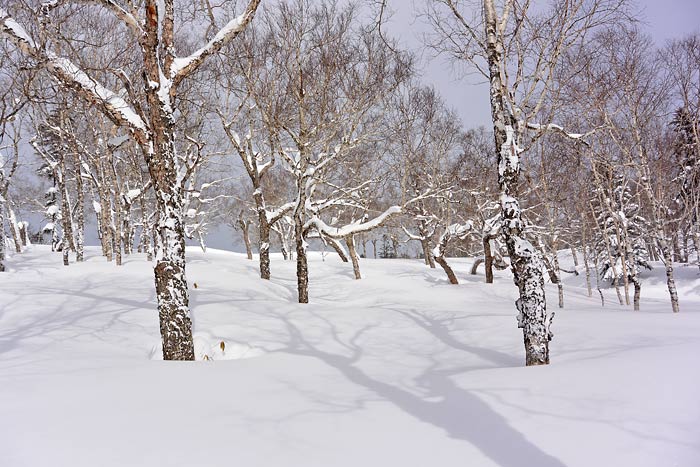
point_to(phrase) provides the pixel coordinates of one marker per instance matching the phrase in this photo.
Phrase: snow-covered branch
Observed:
(72, 76)
(184, 66)
(354, 227)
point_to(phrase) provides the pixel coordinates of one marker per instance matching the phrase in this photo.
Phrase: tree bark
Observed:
(3, 254)
(337, 247)
(264, 249)
(14, 228)
(80, 211)
(526, 261)
(350, 242)
(263, 246)
(475, 266)
(302, 263)
(488, 260)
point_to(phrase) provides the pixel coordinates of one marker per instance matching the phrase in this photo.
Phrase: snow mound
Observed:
(208, 348)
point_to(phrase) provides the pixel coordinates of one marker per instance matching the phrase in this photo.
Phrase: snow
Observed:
(398, 369)
(133, 194)
(14, 28)
(231, 27)
(110, 99)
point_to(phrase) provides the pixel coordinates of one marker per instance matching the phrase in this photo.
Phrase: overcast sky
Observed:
(664, 19)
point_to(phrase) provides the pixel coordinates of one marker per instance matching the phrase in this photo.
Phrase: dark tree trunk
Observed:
(475, 266)
(337, 247)
(488, 261)
(448, 270)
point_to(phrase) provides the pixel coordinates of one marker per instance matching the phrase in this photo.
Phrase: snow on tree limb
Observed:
(353, 228)
(579, 137)
(184, 66)
(72, 76)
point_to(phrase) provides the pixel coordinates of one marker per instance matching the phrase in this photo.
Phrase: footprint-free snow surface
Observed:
(397, 369)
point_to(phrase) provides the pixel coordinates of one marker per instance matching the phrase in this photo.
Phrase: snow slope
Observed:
(398, 369)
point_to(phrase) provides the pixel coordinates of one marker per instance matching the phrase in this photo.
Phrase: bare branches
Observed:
(182, 67)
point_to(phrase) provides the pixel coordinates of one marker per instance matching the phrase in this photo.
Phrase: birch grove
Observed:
(305, 127)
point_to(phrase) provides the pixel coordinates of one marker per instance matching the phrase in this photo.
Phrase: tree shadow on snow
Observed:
(441, 403)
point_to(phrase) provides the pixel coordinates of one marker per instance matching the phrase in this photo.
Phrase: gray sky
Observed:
(664, 19)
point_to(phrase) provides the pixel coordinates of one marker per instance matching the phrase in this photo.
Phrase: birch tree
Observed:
(519, 50)
(151, 122)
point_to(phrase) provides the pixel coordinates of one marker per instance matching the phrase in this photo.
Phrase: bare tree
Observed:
(151, 123)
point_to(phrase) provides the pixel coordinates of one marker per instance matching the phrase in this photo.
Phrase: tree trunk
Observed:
(302, 264)
(448, 270)
(263, 246)
(3, 254)
(80, 212)
(145, 240)
(118, 222)
(475, 266)
(170, 278)
(14, 228)
(696, 243)
(427, 255)
(574, 256)
(105, 223)
(374, 249)
(66, 214)
(488, 260)
(588, 270)
(264, 250)
(65, 249)
(337, 247)
(670, 281)
(637, 292)
(526, 261)
(350, 242)
(23, 234)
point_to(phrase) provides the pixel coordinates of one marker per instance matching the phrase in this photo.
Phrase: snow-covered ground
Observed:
(397, 369)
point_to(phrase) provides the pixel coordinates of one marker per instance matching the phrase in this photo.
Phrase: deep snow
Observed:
(397, 369)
